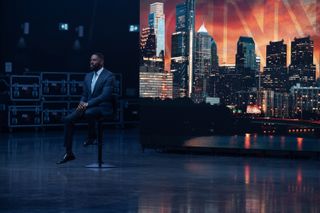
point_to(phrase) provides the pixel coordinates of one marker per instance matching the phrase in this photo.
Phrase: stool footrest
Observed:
(97, 165)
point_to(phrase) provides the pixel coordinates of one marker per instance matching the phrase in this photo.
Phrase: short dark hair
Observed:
(100, 55)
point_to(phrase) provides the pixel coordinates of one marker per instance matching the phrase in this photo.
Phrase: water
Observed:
(255, 141)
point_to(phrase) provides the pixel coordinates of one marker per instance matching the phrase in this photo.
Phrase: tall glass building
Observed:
(190, 27)
(302, 70)
(148, 42)
(181, 61)
(214, 57)
(275, 72)
(148, 49)
(246, 63)
(179, 64)
(156, 21)
(246, 55)
(181, 13)
(202, 64)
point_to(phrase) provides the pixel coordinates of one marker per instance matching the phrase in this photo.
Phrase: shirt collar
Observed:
(99, 71)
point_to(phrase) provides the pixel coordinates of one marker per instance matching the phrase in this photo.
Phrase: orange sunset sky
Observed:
(264, 20)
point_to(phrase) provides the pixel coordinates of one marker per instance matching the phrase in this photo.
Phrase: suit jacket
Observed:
(101, 96)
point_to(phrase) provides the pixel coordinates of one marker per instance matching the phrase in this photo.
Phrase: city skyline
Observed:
(226, 22)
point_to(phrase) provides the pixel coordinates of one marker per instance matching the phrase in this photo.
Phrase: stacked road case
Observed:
(25, 96)
(44, 100)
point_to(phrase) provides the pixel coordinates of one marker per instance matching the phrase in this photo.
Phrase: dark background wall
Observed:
(106, 29)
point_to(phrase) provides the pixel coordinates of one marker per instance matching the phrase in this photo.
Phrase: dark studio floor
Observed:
(30, 181)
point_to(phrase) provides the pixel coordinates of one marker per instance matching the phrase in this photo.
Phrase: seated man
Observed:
(96, 101)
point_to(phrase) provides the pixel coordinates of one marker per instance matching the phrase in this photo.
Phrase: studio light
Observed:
(79, 32)
(76, 44)
(133, 28)
(25, 27)
(63, 26)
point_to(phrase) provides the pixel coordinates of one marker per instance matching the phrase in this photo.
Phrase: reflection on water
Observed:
(282, 142)
(247, 174)
(299, 143)
(254, 141)
(299, 176)
(247, 141)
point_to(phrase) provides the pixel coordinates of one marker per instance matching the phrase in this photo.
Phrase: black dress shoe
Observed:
(67, 157)
(89, 141)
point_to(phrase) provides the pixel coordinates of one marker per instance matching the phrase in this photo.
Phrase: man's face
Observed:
(95, 63)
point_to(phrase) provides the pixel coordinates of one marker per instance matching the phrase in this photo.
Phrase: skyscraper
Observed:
(157, 22)
(246, 55)
(179, 64)
(178, 44)
(181, 13)
(202, 64)
(246, 62)
(148, 49)
(214, 57)
(276, 53)
(190, 26)
(156, 8)
(182, 49)
(227, 84)
(275, 72)
(302, 70)
(214, 71)
(148, 42)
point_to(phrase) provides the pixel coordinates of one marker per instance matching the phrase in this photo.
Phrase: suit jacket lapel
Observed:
(89, 83)
(100, 78)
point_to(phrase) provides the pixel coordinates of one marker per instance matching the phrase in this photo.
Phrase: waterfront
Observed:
(255, 141)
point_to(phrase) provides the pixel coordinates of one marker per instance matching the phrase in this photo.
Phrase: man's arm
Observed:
(85, 92)
(84, 97)
(105, 95)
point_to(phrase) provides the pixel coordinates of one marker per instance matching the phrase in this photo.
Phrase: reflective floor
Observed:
(30, 181)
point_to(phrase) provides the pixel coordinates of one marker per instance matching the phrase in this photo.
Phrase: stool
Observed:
(100, 121)
(100, 163)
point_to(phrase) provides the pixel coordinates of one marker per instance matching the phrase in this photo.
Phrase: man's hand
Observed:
(82, 106)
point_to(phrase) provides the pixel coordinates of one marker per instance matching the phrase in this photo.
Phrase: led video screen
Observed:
(259, 57)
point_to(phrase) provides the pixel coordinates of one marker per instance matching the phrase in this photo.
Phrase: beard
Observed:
(95, 67)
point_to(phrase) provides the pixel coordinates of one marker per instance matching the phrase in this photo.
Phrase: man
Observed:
(96, 101)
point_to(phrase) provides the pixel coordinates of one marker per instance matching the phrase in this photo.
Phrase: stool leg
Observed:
(100, 141)
(100, 164)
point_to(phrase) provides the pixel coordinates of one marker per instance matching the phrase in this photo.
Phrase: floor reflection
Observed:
(228, 188)
(151, 181)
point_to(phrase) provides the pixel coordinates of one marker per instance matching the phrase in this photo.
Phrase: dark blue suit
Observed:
(99, 104)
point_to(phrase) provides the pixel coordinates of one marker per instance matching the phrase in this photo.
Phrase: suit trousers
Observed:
(90, 115)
